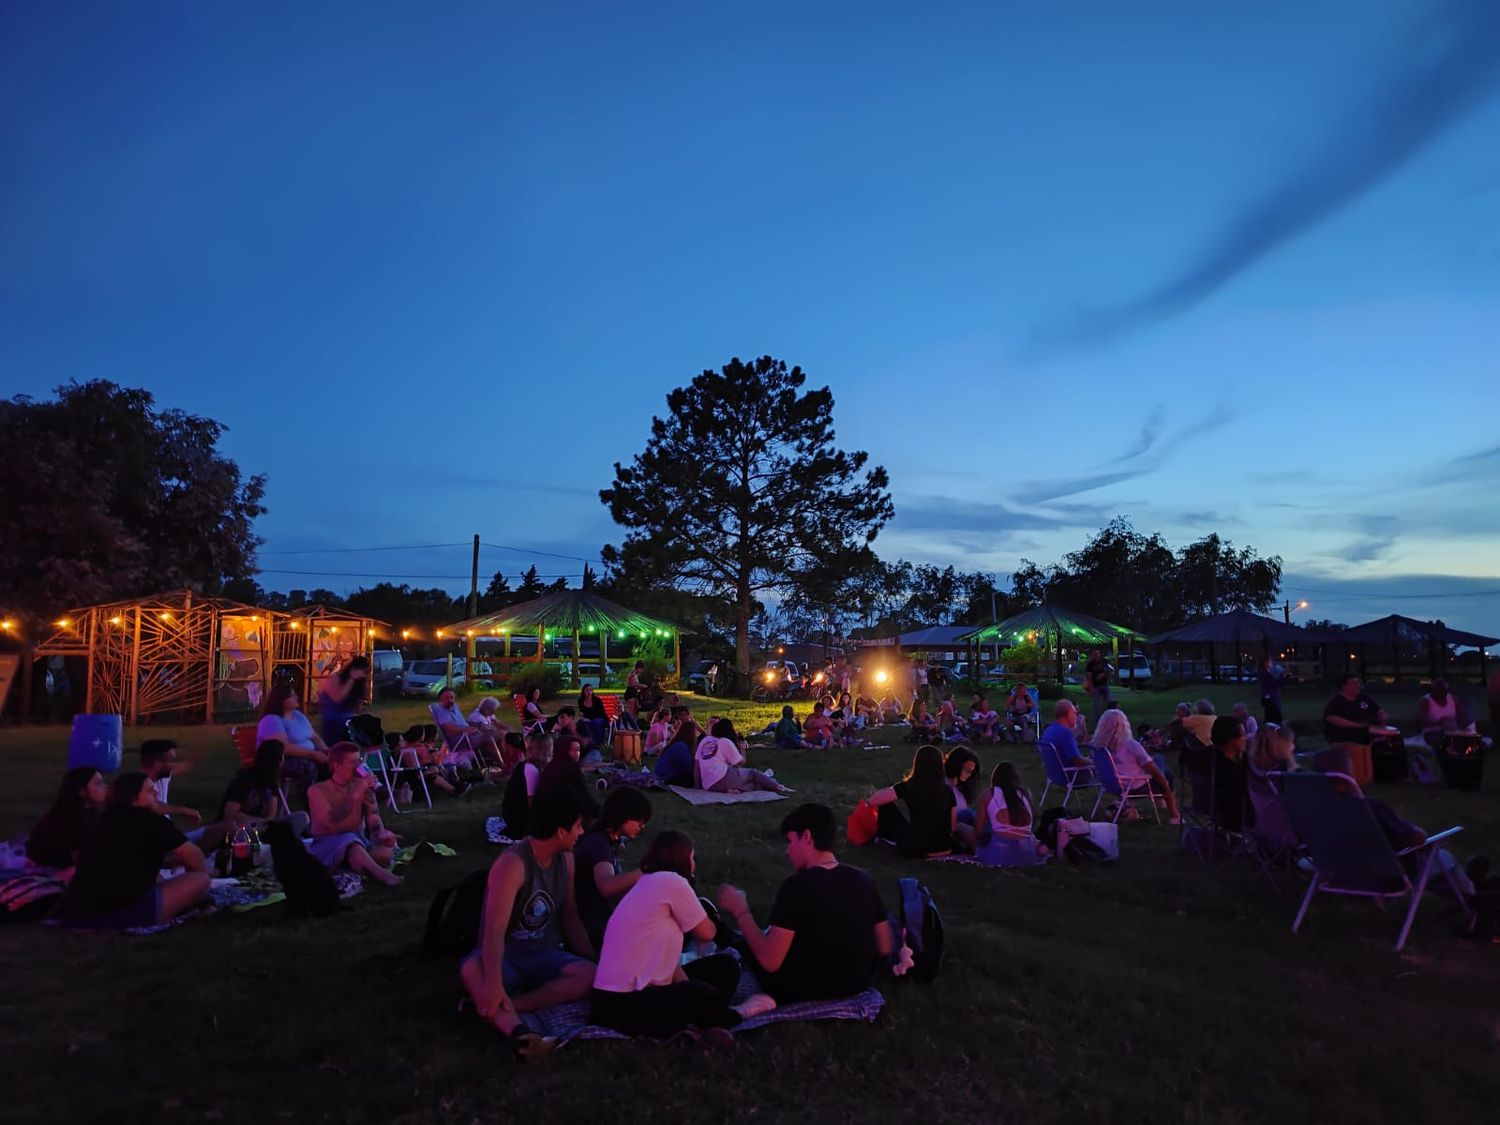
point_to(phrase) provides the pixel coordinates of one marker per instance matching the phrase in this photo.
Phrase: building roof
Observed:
(567, 611)
(1395, 630)
(1048, 620)
(1238, 626)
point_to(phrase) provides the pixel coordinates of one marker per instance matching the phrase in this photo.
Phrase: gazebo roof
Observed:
(566, 611)
(1236, 627)
(1395, 629)
(1081, 627)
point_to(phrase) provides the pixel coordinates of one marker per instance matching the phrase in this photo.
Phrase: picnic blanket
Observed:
(571, 1021)
(704, 797)
(494, 831)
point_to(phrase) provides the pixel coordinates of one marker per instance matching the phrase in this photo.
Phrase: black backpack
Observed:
(922, 928)
(453, 918)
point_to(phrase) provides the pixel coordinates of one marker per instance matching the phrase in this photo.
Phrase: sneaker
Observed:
(756, 1004)
(769, 773)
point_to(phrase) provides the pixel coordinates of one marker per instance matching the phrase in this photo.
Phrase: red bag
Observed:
(863, 823)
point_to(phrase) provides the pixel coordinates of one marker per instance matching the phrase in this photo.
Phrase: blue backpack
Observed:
(922, 928)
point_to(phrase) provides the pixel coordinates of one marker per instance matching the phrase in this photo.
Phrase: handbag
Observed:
(862, 825)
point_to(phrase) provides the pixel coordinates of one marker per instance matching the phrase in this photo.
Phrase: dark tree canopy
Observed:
(740, 488)
(108, 496)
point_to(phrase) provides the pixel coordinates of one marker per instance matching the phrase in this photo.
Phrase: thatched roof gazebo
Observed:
(575, 613)
(1053, 627)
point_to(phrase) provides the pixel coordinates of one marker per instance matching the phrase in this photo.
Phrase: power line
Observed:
(1346, 596)
(531, 551)
(352, 550)
(373, 574)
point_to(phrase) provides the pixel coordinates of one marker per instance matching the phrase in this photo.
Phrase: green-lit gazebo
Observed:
(1052, 627)
(575, 613)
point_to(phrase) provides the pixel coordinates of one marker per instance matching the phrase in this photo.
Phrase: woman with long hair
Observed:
(521, 789)
(60, 833)
(340, 697)
(253, 796)
(281, 718)
(641, 986)
(1007, 821)
(592, 716)
(930, 803)
(961, 772)
(115, 884)
(1136, 770)
(565, 771)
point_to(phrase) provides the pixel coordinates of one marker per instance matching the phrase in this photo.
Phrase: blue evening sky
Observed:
(437, 265)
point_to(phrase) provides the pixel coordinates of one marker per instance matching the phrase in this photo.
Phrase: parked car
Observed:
(386, 666)
(429, 677)
(1134, 669)
(704, 678)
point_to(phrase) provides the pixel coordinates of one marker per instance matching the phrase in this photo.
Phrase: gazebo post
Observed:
(135, 670)
(213, 660)
(88, 678)
(603, 656)
(577, 654)
(677, 655)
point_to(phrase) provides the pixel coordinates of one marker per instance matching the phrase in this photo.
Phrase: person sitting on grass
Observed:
(281, 718)
(1005, 808)
(252, 798)
(817, 732)
(961, 772)
(1135, 769)
(160, 762)
(719, 764)
(346, 827)
(530, 910)
(115, 884)
(1019, 706)
(1400, 833)
(933, 809)
(599, 880)
(950, 725)
(641, 987)
(923, 725)
(565, 771)
(867, 708)
(521, 789)
(60, 834)
(985, 720)
(1060, 734)
(789, 731)
(827, 932)
(658, 731)
(674, 766)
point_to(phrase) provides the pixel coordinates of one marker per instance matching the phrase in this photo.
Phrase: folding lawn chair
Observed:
(536, 726)
(404, 759)
(1110, 785)
(1067, 778)
(1349, 852)
(1215, 826)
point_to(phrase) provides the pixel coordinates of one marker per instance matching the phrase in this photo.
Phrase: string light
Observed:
(62, 623)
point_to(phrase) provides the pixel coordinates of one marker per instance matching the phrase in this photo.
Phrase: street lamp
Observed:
(1287, 609)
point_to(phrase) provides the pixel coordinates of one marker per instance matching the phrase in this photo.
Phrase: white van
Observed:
(1134, 669)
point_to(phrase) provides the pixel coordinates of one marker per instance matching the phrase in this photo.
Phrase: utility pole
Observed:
(474, 581)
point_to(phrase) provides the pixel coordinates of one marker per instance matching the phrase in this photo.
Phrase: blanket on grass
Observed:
(704, 797)
(494, 832)
(571, 1021)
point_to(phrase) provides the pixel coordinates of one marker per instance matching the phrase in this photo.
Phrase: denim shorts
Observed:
(145, 911)
(523, 970)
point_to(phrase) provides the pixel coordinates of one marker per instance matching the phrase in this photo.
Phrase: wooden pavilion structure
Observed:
(194, 658)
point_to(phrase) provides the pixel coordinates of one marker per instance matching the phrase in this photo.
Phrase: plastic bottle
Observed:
(257, 855)
(240, 850)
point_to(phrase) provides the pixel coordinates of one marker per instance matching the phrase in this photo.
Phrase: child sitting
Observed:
(789, 731)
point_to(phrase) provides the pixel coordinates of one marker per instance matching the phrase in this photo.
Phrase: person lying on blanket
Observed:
(641, 986)
(114, 886)
(827, 932)
(719, 764)
(1401, 833)
(530, 909)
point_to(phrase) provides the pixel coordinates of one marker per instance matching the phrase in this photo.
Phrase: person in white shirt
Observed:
(641, 986)
(281, 718)
(1007, 821)
(1247, 720)
(159, 761)
(1134, 767)
(719, 764)
(985, 720)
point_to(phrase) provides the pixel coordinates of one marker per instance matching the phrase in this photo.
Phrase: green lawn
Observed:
(1155, 990)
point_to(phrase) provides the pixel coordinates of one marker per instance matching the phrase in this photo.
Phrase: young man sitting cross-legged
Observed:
(828, 930)
(520, 964)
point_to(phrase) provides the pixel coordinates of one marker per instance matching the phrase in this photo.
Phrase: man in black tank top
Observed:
(529, 913)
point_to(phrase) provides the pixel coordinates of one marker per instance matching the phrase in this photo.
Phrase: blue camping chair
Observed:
(1349, 852)
(1109, 784)
(1071, 779)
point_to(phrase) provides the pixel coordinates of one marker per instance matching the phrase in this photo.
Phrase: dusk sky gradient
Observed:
(459, 254)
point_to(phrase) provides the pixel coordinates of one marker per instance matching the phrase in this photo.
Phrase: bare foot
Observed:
(390, 878)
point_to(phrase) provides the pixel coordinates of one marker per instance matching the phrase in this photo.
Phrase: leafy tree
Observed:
(1324, 625)
(741, 487)
(531, 586)
(1213, 577)
(497, 595)
(590, 578)
(404, 605)
(1119, 575)
(108, 496)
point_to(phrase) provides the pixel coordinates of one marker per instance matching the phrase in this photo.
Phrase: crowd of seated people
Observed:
(655, 968)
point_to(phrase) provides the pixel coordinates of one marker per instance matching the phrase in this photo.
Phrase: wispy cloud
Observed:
(1443, 70)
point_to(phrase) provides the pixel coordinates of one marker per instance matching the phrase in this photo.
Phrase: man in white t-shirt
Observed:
(159, 762)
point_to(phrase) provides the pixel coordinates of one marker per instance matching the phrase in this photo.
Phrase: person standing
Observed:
(1272, 677)
(1096, 675)
(341, 696)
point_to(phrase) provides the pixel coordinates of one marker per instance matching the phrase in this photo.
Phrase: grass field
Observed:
(1155, 990)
